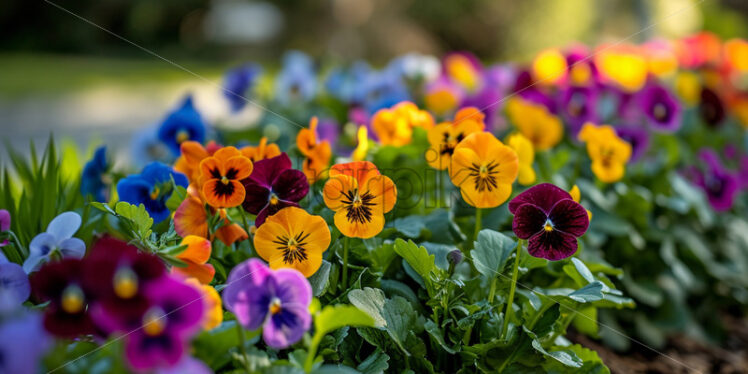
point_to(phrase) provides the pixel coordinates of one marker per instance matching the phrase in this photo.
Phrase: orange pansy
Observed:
(192, 153)
(261, 151)
(445, 136)
(196, 256)
(318, 154)
(213, 315)
(395, 126)
(220, 177)
(360, 196)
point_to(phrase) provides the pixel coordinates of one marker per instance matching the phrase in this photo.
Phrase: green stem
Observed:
(242, 349)
(244, 219)
(478, 219)
(564, 325)
(513, 286)
(19, 248)
(312, 352)
(492, 291)
(345, 263)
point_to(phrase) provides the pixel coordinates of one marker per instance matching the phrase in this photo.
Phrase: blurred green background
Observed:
(60, 73)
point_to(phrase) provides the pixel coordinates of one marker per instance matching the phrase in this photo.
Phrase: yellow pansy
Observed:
(608, 152)
(213, 315)
(444, 137)
(362, 148)
(623, 66)
(535, 122)
(549, 67)
(484, 170)
(525, 155)
(395, 126)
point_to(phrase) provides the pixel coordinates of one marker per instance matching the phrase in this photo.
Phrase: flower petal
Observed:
(291, 185)
(544, 195)
(64, 225)
(528, 221)
(286, 327)
(552, 245)
(292, 288)
(73, 247)
(247, 295)
(15, 282)
(356, 229)
(570, 217)
(241, 165)
(266, 171)
(197, 251)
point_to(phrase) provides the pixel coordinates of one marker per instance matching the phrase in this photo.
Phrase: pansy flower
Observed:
(237, 82)
(660, 107)
(220, 177)
(196, 256)
(273, 186)
(362, 146)
(162, 335)
(213, 315)
(442, 96)
(464, 69)
(262, 151)
(549, 67)
(578, 105)
(720, 185)
(711, 108)
(623, 66)
(297, 80)
(360, 196)
(637, 137)
(525, 155)
(445, 136)
(550, 220)
(56, 242)
(14, 285)
(293, 238)
(535, 122)
(152, 187)
(61, 283)
(484, 170)
(23, 343)
(608, 152)
(189, 161)
(116, 275)
(317, 152)
(191, 218)
(395, 126)
(94, 181)
(185, 123)
(276, 300)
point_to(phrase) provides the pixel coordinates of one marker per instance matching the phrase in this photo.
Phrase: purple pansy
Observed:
(578, 105)
(23, 343)
(637, 137)
(550, 220)
(4, 226)
(661, 108)
(14, 285)
(273, 186)
(237, 82)
(166, 327)
(277, 300)
(720, 185)
(58, 240)
(188, 365)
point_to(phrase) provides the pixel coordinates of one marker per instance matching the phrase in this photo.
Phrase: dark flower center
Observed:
(449, 142)
(484, 176)
(660, 112)
(358, 206)
(292, 248)
(224, 188)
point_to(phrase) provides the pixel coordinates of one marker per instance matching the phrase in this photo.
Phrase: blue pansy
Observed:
(383, 89)
(56, 242)
(181, 125)
(297, 81)
(93, 179)
(152, 187)
(237, 82)
(347, 85)
(14, 285)
(23, 343)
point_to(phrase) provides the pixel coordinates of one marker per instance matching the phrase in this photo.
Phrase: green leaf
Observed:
(417, 257)
(492, 250)
(376, 363)
(410, 226)
(371, 301)
(566, 357)
(176, 197)
(332, 318)
(320, 279)
(438, 336)
(138, 216)
(395, 315)
(585, 321)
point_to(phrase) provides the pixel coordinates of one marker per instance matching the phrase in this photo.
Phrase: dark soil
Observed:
(684, 355)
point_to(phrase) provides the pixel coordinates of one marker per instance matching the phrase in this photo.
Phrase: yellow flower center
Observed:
(154, 321)
(275, 306)
(224, 180)
(125, 283)
(548, 227)
(72, 299)
(182, 136)
(273, 199)
(155, 192)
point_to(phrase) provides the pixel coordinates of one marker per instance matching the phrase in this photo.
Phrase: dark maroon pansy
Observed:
(273, 186)
(117, 274)
(711, 109)
(550, 220)
(660, 107)
(60, 283)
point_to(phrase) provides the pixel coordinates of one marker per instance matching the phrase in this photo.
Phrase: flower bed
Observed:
(430, 216)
